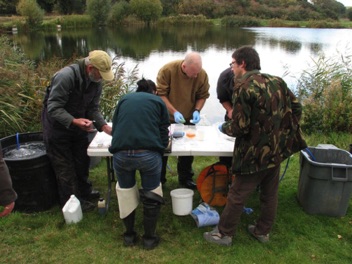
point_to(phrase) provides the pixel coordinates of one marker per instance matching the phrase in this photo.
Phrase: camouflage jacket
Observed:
(265, 122)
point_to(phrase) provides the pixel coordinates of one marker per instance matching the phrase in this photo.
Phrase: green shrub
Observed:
(76, 21)
(67, 7)
(146, 10)
(184, 20)
(240, 21)
(199, 7)
(67, 22)
(32, 12)
(99, 10)
(17, 103)
(119, 12)
(326, 94)
(324, 24)
(349, 13)
(279, 23)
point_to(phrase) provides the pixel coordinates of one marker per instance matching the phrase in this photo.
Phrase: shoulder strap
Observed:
(48, 87)
(74, 72)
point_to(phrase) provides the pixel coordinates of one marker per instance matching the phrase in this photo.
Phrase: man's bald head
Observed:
(192, 64)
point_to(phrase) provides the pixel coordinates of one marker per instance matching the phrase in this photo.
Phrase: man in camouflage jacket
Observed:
(265, 122)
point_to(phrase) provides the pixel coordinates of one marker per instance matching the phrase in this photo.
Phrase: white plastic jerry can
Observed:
(101, 206)
(72, 210)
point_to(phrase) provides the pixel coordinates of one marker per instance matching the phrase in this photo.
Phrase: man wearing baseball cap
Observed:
(70, 111)
(102, 62)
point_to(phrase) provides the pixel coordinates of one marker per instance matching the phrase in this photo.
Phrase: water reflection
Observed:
(139, 42)
(291, 47)
(31, 44)
(285, 52)
(135, 42)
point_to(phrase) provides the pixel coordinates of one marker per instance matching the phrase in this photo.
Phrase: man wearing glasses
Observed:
(70, 111)
(265, 122)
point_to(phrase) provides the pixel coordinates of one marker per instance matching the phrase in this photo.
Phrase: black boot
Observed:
(130, 236)
(151, 209)
(163, 170)
(185, 172)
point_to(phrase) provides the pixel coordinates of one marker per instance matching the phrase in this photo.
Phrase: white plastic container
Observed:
(179, 128)
(101, 206)
(72, 210)
(182, 201)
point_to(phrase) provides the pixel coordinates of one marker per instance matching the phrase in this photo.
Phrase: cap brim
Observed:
(107, 76)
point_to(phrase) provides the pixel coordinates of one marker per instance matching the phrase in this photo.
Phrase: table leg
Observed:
(111, 179)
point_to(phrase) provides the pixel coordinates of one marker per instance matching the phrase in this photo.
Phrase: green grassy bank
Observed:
(297, 237)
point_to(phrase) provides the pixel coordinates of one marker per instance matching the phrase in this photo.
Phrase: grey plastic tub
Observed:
(325, 181)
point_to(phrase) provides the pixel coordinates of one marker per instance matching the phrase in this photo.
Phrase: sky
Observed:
(345, 2)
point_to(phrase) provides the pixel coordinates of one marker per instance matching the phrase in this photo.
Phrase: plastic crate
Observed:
(325, 180)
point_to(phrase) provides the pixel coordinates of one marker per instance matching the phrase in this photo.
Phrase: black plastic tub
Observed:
(32, 176)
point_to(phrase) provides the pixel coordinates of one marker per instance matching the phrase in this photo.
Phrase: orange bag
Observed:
(213, 184)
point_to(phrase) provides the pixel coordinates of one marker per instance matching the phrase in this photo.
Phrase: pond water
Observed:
(285, 52)
(25, 151)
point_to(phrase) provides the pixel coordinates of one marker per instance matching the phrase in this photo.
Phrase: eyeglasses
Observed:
(232, 63)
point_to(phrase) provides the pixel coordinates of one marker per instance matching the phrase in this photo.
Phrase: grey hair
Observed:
(86, 61)
(193, 58)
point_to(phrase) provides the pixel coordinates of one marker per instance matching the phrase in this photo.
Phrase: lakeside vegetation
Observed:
(50, 23)
(29, 15)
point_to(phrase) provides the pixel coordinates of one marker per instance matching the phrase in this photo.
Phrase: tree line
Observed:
(149, 10)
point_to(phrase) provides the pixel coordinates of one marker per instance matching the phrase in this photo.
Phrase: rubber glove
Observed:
(196, 117)
(247, 210)
(179, 118)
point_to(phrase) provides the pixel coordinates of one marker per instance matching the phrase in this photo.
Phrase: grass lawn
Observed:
(297, 237)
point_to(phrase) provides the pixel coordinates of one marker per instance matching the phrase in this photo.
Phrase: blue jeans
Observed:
(147, 162)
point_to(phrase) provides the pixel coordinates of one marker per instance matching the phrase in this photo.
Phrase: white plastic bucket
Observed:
(182, 201)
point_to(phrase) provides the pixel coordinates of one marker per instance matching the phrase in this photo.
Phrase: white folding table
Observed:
(209, 141)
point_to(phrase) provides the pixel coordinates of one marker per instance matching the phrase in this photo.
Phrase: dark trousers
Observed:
(69, 159)
(184, 168)
(226, 160)
(7, 193)
(241, 188)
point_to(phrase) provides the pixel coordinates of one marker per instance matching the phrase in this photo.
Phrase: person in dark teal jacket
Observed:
(140, 134)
